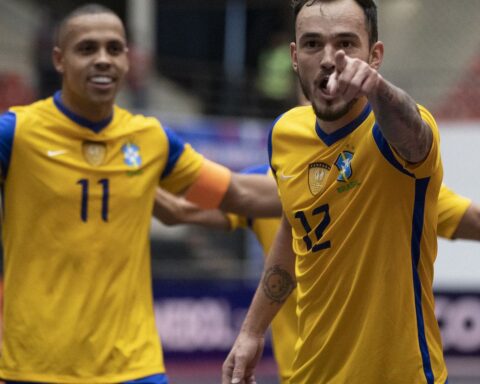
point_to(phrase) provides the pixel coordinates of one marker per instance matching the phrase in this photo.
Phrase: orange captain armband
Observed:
(208, 190)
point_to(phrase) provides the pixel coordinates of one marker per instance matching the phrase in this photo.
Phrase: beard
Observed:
(329, 110)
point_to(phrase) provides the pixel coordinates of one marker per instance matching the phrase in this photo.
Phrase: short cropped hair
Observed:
(369, 9)
(87, 9)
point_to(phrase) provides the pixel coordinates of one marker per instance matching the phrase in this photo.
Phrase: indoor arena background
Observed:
(217, 72)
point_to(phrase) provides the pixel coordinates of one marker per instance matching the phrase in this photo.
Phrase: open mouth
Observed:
(324, 83)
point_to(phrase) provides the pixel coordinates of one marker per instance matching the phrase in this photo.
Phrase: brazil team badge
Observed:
(94, 152)
(317, 175)
(344, 166)
(131, 155)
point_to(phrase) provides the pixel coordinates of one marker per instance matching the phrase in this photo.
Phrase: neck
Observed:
(333, 126)
(92, 111)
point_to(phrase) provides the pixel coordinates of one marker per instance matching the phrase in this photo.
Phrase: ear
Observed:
(57, 58)
(127, 52)
(293, 55)
(376, 55)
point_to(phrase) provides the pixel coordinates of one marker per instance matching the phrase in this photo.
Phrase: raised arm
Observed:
(278, 281)
(400, 121)
(395, 111)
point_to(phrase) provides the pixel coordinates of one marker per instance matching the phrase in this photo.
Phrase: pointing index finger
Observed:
(340, 61)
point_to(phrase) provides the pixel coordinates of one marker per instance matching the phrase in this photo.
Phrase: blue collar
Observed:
(94, 126)
(339, 134)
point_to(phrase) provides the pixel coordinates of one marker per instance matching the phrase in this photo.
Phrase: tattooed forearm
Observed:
(277, 284)
(399, 119)
(394, 106)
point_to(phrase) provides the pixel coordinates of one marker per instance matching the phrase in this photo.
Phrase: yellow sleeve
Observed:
(185, 171)
(451, 208)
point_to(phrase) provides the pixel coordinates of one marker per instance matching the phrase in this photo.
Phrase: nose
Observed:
(327, 62)
(103, 59)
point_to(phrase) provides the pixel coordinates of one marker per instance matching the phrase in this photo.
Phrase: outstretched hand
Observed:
(352, 78)
(239, 366)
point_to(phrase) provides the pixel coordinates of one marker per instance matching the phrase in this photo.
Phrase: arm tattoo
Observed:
(277, 284)
(401, 124)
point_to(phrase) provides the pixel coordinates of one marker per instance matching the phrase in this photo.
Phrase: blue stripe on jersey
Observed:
(94, 126)
(154, 379)
(421, 186)
(175, 149)
(8, 122)
(332, 138)
(386, 151)
(270, 134)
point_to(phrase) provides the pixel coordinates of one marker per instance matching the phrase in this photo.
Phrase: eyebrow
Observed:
(347, 35)
(344, 35)
(96, 41)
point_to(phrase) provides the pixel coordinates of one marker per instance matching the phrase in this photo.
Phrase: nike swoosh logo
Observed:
(56, 153)
(286, 177)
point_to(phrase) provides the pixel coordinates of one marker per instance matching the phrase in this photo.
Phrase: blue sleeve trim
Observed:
(175, 149)
(270, 149)
(421, 186)
(8, 122)
(386, 151)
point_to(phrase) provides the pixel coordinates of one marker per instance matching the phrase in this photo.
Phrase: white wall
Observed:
(458, 262)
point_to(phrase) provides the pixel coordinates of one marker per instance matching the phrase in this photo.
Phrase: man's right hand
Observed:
(239, 366)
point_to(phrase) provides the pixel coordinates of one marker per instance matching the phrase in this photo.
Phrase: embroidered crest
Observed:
(131, 155)
(94, 152)
(343, 164)
(317, 175)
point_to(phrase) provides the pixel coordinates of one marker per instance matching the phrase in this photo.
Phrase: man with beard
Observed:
(358, 174)
(458, 218)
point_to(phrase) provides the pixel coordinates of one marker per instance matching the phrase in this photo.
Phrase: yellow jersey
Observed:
(364, 234)
(450, 210)
(78, 199)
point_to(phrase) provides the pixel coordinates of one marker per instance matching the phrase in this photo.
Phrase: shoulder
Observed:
(38, 107)
(137, 119)
(297, 115)
(139, 123)
(296, 122)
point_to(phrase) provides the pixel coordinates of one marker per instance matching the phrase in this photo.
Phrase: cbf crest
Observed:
(317, 175)
(131, 155)
(344, 166)
(94, 152)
